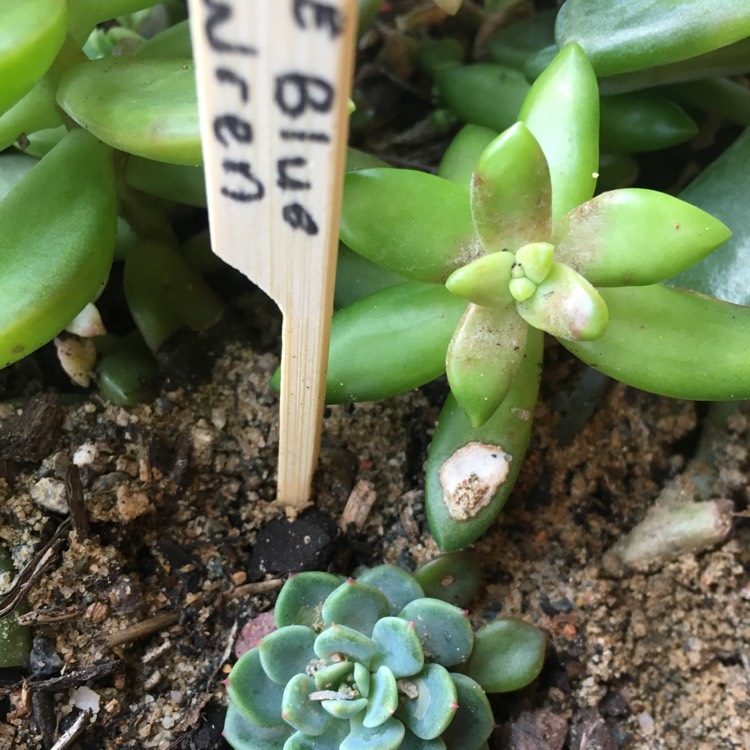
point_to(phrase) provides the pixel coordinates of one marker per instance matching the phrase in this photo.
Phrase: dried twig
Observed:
(143, 629)
(69, 735)
(14, 595)
(257, 587)
(76, 677)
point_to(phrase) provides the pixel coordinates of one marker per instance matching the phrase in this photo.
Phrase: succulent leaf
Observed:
(386, 736)
(399, 646)
(331, 739)
(99, 95)
(635, 237)
(536, 260)
(412, 742)
(567, 306)
(391, 341)
(431, 711)
(453, 577)
(256, 696)
(344, 708)
(511, 193)
(508, 654)
(299, 710)
(461, 157)
(355, 605)
(340, 639)
(562, 111)
(286, 652)
(473, 722)
(483, 358)
(484, 281)
(382, 219)
(362, 680)
(333, 674)
(242, 733)
(398, 587)
(451, 493)
(383, 699)
(445, 630)
(301, 598)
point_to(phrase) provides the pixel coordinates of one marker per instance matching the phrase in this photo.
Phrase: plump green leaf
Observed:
(344, 708)
(566, 305)
(386, 736)
(511, 192)
(462, 155)
(298, 710)
(433, 706)
(399, 646)
(562, 111)
(83, 15)
(146, 107)
(15, 639)
(355, 605)
(286, 652)
(332, 675)
(412, 742)
(508, 654)
(453, 577)
(126, 371)
(339, 639)
(242, 734)
(483, 358)
(623, 37)
(637, 122)
(383, 699)
(722, 190)
(13, 166)
(56, 245)
(460, 503)
(674, 343)
(300, 600)
(391, 341)
(484, 94)
(383, 217)
(174, 182)
(165, 294)
(331, 739)
(362, 679)
(731, 60)
(444, 630)
(174, 41)
(31, 35)
(635, 237)
(256, 696)
(514, 44)
(473, 722)
(35, 111)
(398, 587)
(356, 277)
(484, 281)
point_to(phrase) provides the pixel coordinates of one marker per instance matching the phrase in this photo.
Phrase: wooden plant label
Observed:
(274, 78)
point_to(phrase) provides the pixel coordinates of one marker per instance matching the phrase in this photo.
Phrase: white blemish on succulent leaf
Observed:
(471, 476)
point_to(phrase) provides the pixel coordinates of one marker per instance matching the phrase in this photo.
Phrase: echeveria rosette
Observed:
(374, 663)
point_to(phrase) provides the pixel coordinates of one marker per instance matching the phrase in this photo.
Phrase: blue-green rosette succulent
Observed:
(386, 661)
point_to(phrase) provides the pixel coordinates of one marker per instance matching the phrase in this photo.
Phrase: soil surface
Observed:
(175, 548)
(176, 545)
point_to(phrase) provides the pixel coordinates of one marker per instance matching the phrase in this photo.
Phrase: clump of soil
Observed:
(178, 544)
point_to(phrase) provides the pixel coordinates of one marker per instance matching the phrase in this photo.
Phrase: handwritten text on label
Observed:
(296, 93)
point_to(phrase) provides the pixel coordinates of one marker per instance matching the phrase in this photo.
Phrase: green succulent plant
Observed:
(374, 663)
(508, 241)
